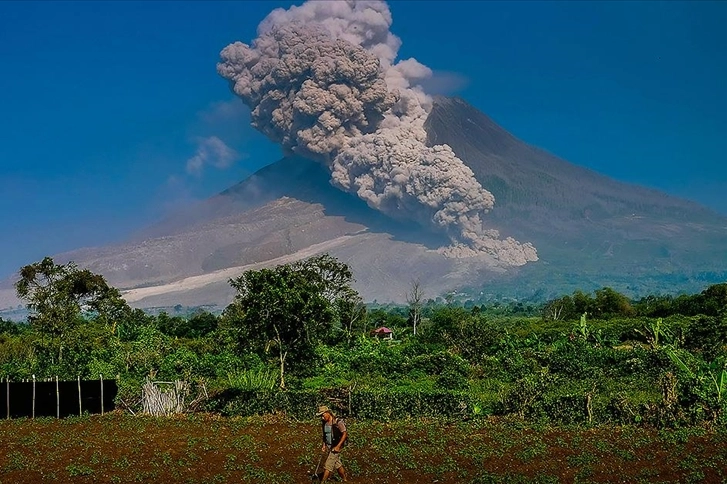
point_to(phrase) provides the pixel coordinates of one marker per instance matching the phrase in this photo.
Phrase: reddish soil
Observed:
(209, 449)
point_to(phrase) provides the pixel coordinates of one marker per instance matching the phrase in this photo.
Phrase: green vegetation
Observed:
(297, 335)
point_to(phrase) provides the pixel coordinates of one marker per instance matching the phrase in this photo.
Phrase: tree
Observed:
(199, 324)
(351, 312)
(391, 318)
(9, 327)
(582, 303)
(58, 295)
(414, 299)
(559, 309)
(610, 303)
(291, 306)
(655, 306)
(448, 323)
(714, 300)
(169, 325)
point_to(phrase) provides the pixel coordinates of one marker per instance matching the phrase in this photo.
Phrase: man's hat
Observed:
(323, 409)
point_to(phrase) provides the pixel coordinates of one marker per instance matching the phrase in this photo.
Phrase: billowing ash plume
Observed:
(321, 80)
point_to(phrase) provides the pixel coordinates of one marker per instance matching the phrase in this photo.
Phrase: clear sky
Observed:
(113, 113)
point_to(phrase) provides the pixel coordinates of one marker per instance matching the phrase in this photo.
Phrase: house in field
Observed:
(383, 332)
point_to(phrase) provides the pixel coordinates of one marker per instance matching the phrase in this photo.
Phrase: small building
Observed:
(383, 333)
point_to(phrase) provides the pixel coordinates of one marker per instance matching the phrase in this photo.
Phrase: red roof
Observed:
(382, 330)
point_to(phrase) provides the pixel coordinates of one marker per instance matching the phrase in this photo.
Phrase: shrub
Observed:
(707, 335)
(523, 396)
(436, 363)
(371, 404)
(451, 379)
(298, 404)
(569, 408)
(256, 379)
(378, 358)
(389, 405)
(576, 359)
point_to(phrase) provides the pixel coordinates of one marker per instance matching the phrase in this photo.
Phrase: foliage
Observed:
(707, 335)
(705, 384)
(587, 359)
(710, 302)
(297, 404)
(391, 318)
(254, 379)
(605, 303)
(58, 297)
(10, 327)
(292, 306)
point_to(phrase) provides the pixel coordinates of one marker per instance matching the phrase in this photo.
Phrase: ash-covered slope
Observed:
(286, 211)
(590, 231)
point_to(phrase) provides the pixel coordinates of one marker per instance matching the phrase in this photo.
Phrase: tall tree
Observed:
(414, 298)
(351, 313)
(292, 306)
(58, 295)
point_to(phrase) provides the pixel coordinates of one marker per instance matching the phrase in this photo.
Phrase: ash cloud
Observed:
(322, 80)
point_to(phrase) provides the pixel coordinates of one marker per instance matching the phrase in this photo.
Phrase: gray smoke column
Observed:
(322, 80)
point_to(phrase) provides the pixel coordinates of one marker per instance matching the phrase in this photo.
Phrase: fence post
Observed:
(58, 400)
(101, 378)
(7, 395)
(33, 408)
(79, 396)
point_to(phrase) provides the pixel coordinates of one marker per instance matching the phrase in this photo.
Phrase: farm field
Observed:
(119, 448)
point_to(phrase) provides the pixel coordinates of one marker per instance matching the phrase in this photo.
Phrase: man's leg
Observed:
(342, 473)
(331, 463)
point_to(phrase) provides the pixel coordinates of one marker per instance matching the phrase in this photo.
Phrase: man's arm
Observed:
(337, 448)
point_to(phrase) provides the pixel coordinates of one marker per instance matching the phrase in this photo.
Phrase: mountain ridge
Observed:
(590, 230)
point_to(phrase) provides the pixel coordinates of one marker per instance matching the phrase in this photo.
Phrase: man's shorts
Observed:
(333, 461)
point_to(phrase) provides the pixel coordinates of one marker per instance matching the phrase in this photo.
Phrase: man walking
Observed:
(334, 436)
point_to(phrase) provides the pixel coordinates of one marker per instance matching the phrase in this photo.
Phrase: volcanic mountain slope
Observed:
(587, 227)
(286, 211)
(590, 231)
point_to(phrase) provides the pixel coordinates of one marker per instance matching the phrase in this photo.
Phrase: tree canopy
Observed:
(291, 307)
(59, 295)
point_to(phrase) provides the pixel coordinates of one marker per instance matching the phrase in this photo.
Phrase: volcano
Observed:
(590, 231)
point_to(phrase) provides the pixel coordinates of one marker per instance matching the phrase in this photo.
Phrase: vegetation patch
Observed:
(562, 392)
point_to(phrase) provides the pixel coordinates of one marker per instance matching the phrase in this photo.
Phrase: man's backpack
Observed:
(337, 433)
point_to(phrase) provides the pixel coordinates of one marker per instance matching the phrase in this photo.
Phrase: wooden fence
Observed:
(54, 398)
(172, 397)
(169, 400)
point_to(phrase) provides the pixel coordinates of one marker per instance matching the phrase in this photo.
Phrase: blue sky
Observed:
(112, 111)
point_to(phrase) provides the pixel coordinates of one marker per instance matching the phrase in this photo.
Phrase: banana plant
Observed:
(653, 331)
(583, 327)
(714, 375)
